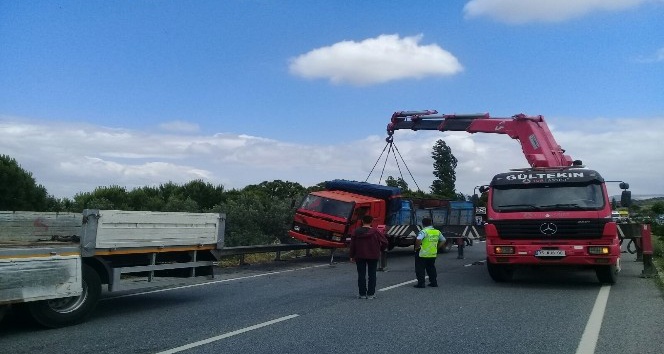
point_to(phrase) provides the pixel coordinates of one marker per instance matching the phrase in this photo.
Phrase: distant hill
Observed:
(641, 197)
(647, 196)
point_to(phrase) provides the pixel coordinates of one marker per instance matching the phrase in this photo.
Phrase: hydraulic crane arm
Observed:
(538, 144)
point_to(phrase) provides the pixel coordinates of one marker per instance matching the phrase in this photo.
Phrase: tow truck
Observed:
(554, 213)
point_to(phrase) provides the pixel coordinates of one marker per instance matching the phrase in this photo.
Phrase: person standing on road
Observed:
(428, 241)
(461, 242)
(366, 245)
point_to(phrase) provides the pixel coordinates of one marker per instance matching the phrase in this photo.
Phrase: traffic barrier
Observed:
(649, 269)
(242, 251)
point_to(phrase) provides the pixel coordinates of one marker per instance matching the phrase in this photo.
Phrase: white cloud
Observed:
(658, 57)
(69, 158)
(523, 11)
(375, 60)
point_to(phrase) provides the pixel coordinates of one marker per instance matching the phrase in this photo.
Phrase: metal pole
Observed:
(382, 266)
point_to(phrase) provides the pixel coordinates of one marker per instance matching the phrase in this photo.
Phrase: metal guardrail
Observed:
(275, 248)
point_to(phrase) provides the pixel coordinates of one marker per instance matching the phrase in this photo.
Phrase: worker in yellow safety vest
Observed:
(428, 241)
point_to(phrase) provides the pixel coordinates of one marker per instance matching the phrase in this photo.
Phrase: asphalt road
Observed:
(308, 306)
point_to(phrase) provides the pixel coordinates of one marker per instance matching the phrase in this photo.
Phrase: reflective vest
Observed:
(429, 248)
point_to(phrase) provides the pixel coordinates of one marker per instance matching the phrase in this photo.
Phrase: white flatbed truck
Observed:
(53, 265)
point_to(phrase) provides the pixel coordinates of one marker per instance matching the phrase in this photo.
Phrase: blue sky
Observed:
(237, 92)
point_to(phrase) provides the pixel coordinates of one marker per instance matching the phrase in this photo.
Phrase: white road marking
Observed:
(398, 285)
(591, 332)
(227, 335)
(211, 282)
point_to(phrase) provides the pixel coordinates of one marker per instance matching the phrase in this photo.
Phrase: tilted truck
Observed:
(555, 213)
(328, 218)
(53, 265)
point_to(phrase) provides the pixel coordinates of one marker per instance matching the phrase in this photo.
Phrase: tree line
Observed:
(256, 214)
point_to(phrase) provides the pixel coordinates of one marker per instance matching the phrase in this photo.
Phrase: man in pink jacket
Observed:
(366, 245)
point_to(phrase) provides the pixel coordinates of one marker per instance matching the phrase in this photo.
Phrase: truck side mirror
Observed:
(624, 185)
(626, 198)
(484, 189)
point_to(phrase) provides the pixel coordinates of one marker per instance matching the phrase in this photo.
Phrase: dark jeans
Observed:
(461, 243)
(364, 266)
(427, 265)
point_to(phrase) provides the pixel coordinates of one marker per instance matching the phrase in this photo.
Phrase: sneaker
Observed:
(361, 297)
(371, 297)
(419, 286)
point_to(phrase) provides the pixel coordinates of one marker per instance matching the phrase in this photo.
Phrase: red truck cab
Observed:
(551, 216)
(328, 218)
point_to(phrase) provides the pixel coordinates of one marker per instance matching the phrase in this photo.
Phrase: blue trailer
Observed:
(455, 219)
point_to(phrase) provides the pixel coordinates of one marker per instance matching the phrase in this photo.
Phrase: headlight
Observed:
(503, 250)
(598, 250)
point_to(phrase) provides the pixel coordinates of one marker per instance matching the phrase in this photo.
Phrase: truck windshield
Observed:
(327, 206)
(536, 197)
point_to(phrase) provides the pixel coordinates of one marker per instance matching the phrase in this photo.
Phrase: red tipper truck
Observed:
(328, 218)
(555, 213)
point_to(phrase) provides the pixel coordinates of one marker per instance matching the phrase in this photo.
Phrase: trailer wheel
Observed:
(500, 273)
(71, 310)
(607, 274)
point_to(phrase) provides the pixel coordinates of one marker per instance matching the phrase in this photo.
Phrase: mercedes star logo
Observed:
(548, 228)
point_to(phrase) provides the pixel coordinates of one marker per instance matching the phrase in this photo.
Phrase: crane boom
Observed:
(538, 144)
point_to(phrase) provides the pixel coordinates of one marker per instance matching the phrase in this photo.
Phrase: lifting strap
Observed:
(392, 148)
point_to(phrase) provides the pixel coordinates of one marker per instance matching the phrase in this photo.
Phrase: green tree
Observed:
(397, 182)
(277, 189)
(244, 212)
(18, 189)
(204, 194)
(145, 198)
(280, 199)
(657, 208)
(444, 166)
(177, 203)
(111, 197)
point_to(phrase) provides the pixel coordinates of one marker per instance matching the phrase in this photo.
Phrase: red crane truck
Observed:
(555, 213)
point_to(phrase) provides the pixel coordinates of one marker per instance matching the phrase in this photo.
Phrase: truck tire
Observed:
(607, 274)
(500, 273)
(71, 310)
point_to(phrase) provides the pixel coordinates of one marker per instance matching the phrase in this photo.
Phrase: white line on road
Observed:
(591, 332)
(226, 335)
(212, 282)
(398, 285)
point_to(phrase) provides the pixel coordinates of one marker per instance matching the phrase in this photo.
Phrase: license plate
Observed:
(549, 253)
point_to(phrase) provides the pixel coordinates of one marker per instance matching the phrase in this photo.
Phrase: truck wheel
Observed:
(70, 310)
(500, 273)
(607, 274)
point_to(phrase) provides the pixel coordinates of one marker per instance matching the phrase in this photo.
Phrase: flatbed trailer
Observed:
(55, 264)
